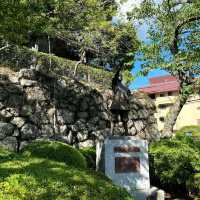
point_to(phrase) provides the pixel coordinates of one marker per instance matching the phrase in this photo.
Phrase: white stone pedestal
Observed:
(126, 164)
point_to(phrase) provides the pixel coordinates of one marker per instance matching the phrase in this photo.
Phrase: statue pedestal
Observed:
(126, 164)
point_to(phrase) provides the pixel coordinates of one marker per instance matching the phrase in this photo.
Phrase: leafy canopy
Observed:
(85, 25)
(173, 37)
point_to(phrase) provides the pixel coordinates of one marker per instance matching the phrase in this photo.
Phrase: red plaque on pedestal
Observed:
(127, 164)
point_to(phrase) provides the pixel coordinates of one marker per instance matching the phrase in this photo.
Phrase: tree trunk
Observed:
(99, 153)
(49, 48)
(88, 77)
(115, 81)
(76, 67)
(82, 60)
(172, 116)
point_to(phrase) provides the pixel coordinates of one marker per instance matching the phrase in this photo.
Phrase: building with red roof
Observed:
(161, 84)
(164, 91)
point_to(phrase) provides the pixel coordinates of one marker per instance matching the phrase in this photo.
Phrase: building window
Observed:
(152, 96)
(170, 93)
(162, 119)
(162, 106)
(162, 94)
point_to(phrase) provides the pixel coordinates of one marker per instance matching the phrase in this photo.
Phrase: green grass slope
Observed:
(37, 177)
(56, 151)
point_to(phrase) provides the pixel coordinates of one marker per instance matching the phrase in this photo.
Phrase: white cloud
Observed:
(127, 6)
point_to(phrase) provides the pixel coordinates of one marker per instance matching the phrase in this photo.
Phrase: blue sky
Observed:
(142, 34)
(143, 81)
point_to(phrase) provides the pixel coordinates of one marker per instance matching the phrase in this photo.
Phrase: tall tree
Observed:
(95, 34)
(83, 24)
(21, 18)
(173, 45)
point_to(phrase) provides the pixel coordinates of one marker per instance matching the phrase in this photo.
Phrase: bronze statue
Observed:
(120, 104)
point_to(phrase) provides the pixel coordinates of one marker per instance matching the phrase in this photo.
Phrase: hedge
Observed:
(18, 58)
(194, 185)
(173, 163)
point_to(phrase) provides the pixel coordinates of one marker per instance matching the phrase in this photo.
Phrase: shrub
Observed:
(182, 133)
(90, 156)
(172, 163)
(194, 184)
(18, 58)
(56, 151)
(193, 139)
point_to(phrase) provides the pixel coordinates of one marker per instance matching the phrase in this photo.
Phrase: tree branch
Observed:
(4, 47)
(77, 44)
(172, 4)
(178, 2)
(107, 2)
(174, 46)
(81, 61)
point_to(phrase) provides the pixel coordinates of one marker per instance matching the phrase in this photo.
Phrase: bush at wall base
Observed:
(172, 163)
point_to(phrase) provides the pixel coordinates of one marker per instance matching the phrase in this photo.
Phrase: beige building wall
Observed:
(189, 115)
(163, 102)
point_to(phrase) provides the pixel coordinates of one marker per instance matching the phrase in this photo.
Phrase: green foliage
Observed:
(90, 156)
(194, 185)
(21, 18)
(173, 163)
(27, 177)
(13, 25)
(170, 25)
(89, 23)
(194, 130)
(127, 77)
(5, 154)
(89, 29)
(56, 151)
(173, 38)
(123, 45)
(190, 135)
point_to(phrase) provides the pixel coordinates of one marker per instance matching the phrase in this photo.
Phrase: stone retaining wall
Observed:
(35, 105)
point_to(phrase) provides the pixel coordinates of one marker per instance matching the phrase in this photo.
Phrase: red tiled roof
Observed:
(161, 84)
(161, 79)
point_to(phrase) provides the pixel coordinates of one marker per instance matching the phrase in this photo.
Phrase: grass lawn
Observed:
(29, 176)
